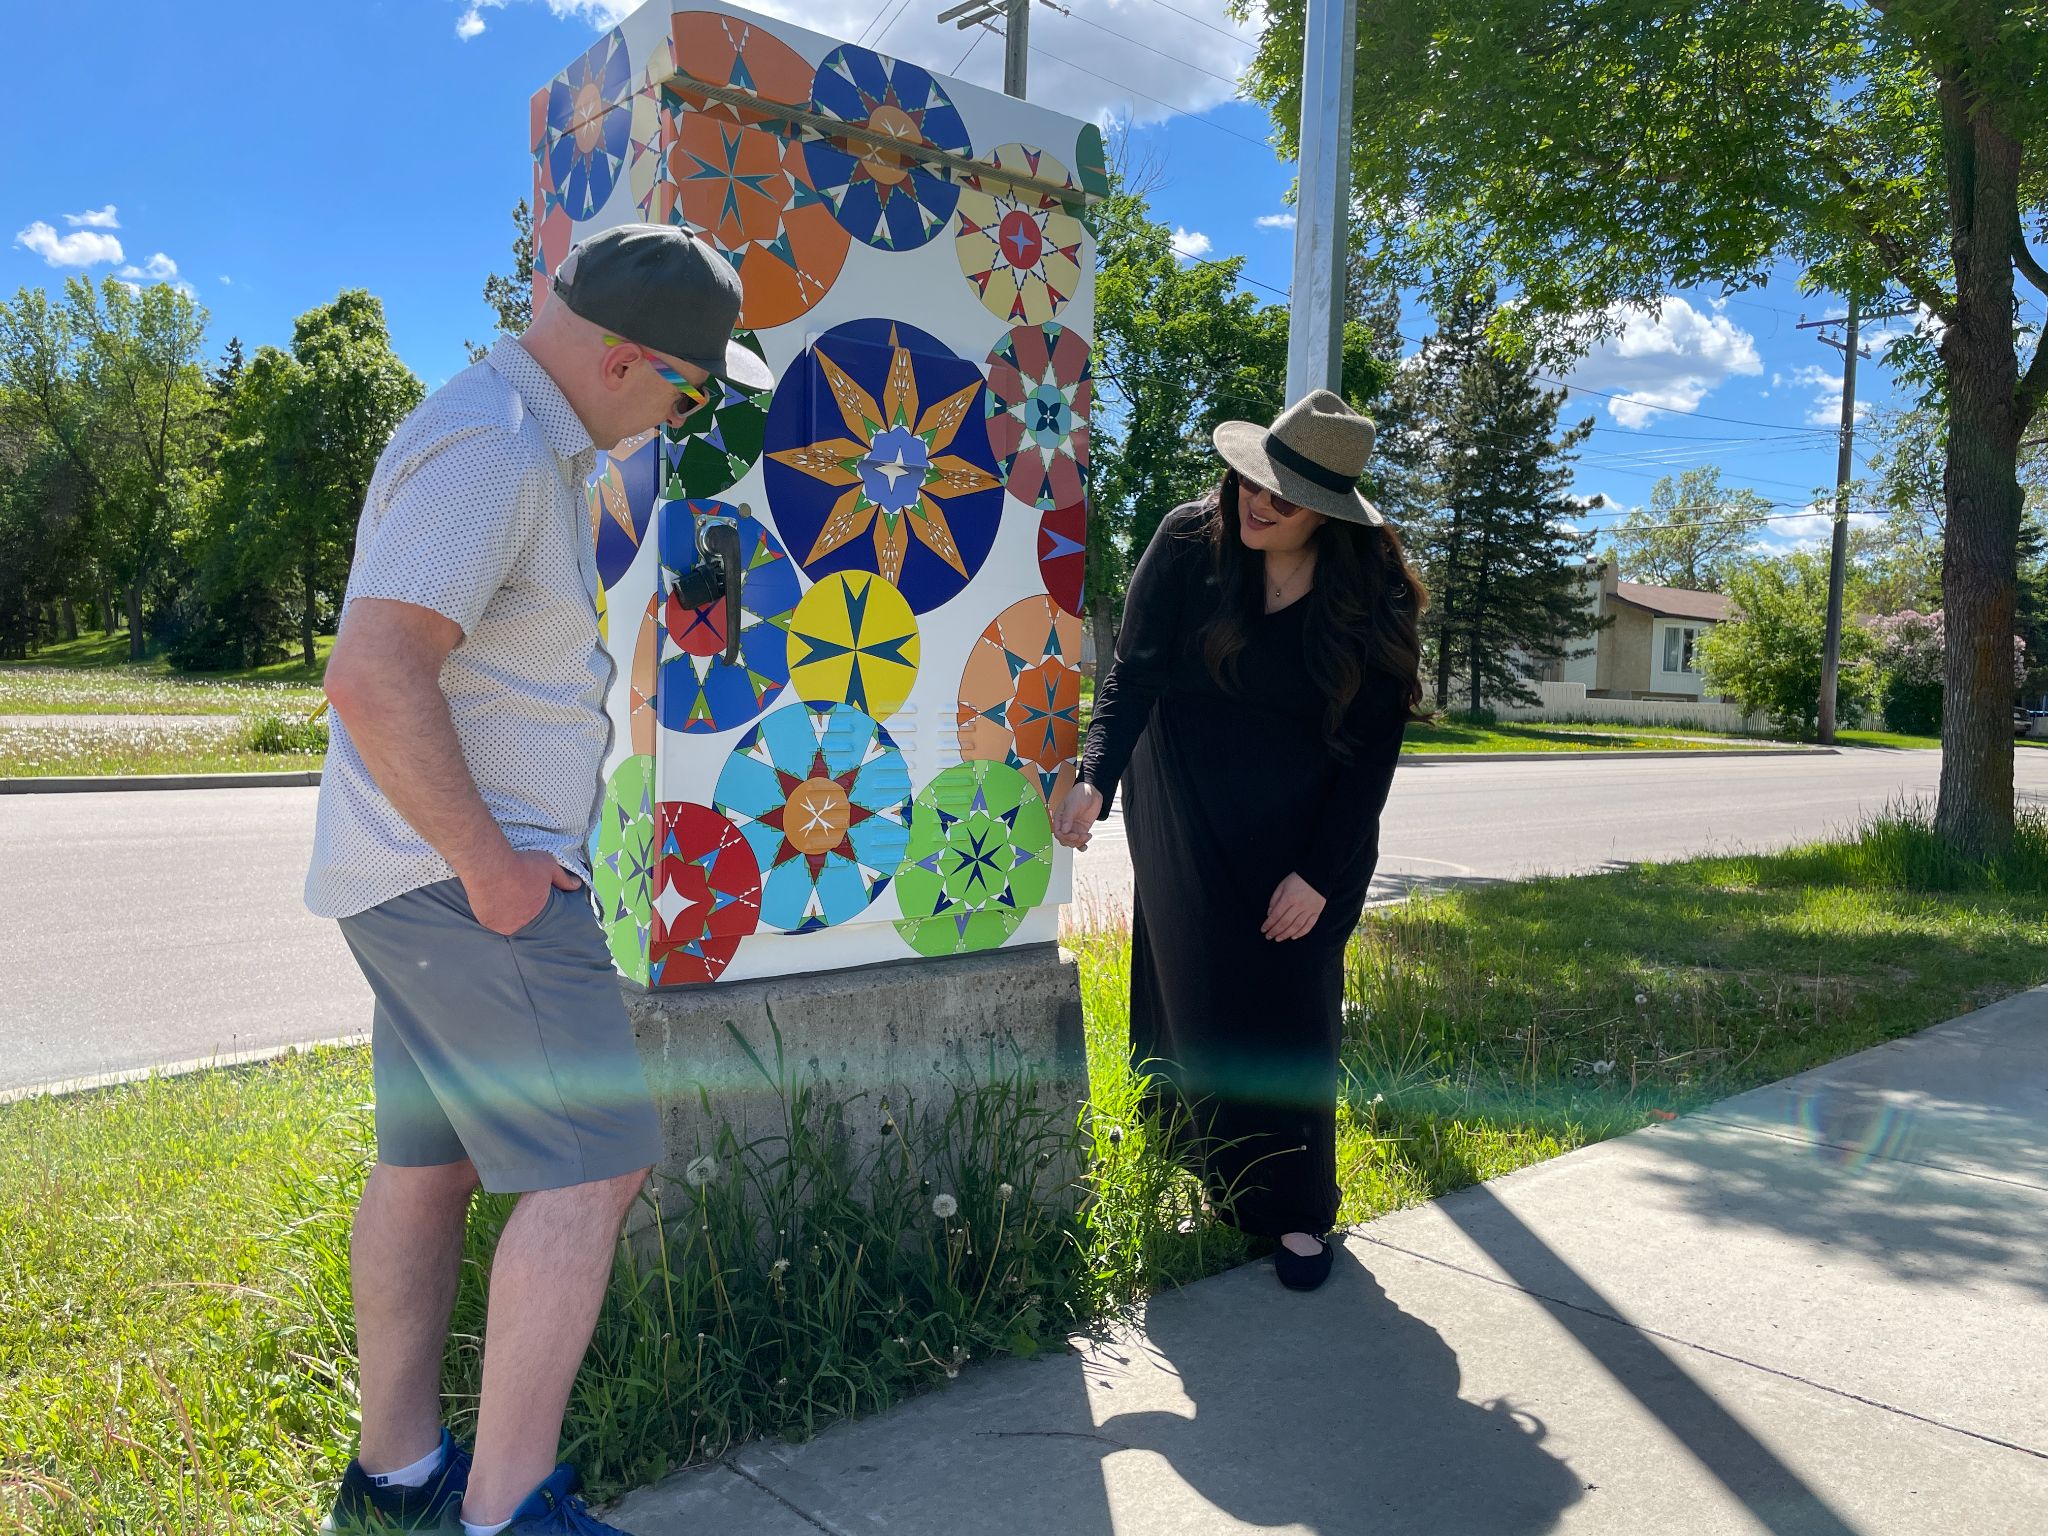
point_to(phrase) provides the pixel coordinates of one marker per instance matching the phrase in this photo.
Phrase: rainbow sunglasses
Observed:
(695, 396)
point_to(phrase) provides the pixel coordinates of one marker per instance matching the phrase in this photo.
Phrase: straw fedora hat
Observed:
(1313, 456)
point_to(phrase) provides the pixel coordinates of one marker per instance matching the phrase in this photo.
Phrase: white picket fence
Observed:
(1568, 701)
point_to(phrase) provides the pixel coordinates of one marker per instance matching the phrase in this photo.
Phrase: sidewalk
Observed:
(1820, 1307)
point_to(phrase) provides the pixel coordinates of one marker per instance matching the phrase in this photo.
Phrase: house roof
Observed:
(1674, 602)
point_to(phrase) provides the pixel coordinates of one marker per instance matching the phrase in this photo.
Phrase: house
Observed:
(1650, 650)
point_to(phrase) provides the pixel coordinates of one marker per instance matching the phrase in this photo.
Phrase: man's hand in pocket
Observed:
(513, 891)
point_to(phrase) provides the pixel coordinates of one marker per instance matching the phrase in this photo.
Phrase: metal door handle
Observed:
(721, 544)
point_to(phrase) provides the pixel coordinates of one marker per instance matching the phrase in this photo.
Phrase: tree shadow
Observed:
(1336, 1412)
(1772, 1492)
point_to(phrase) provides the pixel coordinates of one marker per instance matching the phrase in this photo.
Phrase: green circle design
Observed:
(980, 857)
(622, 865)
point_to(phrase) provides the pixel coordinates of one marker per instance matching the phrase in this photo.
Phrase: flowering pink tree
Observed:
(1908, 650)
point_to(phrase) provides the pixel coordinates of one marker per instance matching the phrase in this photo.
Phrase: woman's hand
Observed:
(1294, 910)
(1073, 823)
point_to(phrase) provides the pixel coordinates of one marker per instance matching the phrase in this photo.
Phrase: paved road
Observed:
(165, 927)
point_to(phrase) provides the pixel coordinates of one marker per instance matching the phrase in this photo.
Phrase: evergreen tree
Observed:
(510, 294)
(1504, 565)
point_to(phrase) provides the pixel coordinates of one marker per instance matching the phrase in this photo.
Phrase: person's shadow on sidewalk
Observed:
(1335, 1411)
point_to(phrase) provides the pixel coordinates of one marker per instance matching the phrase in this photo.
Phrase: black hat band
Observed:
(1307, 468)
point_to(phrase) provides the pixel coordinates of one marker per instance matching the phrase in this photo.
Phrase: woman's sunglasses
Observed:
(1282, 507)
(695, 396)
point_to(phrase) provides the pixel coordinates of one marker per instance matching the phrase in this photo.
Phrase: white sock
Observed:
(414, 1476)
(471, 1529)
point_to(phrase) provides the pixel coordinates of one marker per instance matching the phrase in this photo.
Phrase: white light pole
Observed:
(1315, 334)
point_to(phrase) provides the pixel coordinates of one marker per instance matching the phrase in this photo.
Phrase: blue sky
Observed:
(270, 154)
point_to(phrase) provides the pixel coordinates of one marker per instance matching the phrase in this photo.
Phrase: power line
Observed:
(1046, 53)
(1173, 57)
(982, 32)
(883, 35)
(1235, 37)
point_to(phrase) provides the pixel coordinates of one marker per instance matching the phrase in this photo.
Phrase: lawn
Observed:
(93, 652)
(155, 746)
(1533, 736)
(45, 690)
(174, 1339)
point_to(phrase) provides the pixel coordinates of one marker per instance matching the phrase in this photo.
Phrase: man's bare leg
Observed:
(547, 1283)
(405, 1258)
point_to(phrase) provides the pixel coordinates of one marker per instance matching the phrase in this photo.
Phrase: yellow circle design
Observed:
(853, 640)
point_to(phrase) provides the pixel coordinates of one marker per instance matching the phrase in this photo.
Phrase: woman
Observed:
(1264, 673)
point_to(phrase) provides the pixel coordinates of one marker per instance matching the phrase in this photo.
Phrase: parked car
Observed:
(2023, 720)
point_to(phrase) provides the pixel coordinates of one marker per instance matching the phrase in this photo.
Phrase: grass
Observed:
(260, 744)
(174, 1338)
(110, 652)
(1898, 741)
(37, 690)
(1513, 736)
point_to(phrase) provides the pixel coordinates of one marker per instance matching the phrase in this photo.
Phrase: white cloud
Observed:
(98, 218)
(1826, 384)
(81, 248)
(470, 22)
(1126, 80)
(1669, 361)
(1276, 221)
(226, 281)
(1190, 243)
(158, 269)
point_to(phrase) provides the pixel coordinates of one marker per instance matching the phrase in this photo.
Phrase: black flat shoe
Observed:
(1303, 1274)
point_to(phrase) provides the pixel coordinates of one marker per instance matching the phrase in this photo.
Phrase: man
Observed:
(462, 784)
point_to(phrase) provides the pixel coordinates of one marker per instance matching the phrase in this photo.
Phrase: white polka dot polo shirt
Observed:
(476, 511)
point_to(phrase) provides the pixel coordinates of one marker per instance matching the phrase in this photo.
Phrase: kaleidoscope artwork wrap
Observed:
(980, 858)
(842, 614)
(822, 795)
(879, 460)
(882, 198)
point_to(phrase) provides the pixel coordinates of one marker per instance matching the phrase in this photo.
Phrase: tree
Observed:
(1767, 656)
(1692, 534)
(303, 435)
(510, 294)
(111, 379)
(1593, 153)
(1179, 347)
(1503, 563)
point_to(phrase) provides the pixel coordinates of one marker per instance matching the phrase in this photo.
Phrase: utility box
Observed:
(849, 756)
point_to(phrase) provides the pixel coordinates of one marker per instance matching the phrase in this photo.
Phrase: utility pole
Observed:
(1322, 223)
(1845, 463)
(1015, 32)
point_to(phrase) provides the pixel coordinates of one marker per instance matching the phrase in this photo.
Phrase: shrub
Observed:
(285, 733)
(1768, 656)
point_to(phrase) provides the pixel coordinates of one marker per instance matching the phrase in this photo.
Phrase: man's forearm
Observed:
(400, 726)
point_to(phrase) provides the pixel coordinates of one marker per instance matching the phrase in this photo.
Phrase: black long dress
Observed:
(1226, 793)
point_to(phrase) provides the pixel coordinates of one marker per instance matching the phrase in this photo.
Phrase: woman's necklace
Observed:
(1277, 592)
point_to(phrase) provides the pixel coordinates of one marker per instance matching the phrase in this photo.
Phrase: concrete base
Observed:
(908, 1032)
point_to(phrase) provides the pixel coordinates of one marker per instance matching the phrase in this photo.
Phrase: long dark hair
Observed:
(1362, 609)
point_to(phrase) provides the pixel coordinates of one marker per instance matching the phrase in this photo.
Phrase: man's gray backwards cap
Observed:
(665, 289)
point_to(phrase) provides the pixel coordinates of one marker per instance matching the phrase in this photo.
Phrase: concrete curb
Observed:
(309, 778)
(65, 1087)
(1442, 758)
(105, 783)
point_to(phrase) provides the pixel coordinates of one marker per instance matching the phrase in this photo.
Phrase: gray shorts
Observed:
(515, 1053)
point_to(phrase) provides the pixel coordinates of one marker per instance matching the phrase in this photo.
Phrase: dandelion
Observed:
(1116, 1135)
(944, 1206)
(1004, 1191)
(1587, 945)
(782, 1383)
(779, 1268)
(1642, 999)
(1044, 1159)
(1602, 1068)
(952, 1373)
(700, 1171)
(1379, 1098)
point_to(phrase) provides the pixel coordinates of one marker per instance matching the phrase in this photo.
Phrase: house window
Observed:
(1679, 642)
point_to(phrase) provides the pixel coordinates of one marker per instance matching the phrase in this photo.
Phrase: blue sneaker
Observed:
(552, 1509)
(365, 1508)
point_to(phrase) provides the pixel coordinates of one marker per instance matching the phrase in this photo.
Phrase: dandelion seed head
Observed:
(1004, 1191)
(700, 1171)
(944, 1206)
